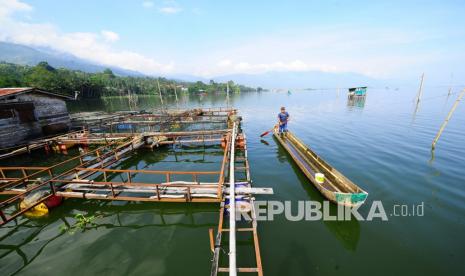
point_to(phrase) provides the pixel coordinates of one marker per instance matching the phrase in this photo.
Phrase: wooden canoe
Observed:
(336, 187)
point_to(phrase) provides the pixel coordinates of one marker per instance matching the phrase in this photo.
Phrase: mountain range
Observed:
(26, 55)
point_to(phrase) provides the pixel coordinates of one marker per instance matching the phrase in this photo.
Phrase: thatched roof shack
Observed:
(27, 113)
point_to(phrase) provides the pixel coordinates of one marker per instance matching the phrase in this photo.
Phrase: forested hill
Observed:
(89, 85)
(27, 55)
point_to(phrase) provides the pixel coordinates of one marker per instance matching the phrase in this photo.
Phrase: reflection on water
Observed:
(264, 142)
(30, 232)
(37, 236)
(151, 102)
(283, 156)
(30, 242)
(356, 101)
(346, 232)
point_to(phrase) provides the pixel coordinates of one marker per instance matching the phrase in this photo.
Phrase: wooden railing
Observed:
(106, 158)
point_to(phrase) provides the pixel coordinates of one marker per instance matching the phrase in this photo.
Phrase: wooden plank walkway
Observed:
(217, 244)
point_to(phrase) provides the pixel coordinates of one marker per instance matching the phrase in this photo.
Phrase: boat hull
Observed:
(336, 188)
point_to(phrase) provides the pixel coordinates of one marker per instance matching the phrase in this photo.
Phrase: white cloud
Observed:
(90, 46)
(296, 65)
(147, 4)
(8, 7)
(110, 36)
(377, 52)
(224, 63)
(166, 7)
(169, 10)
(371, 51)
(227, 66)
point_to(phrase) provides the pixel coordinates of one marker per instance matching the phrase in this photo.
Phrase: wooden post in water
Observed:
(444, 124)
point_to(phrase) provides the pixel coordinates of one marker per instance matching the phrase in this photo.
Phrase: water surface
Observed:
(380, 143)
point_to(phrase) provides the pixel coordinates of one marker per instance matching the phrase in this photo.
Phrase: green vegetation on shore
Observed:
(94, 85)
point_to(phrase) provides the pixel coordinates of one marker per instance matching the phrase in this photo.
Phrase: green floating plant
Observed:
(82, 222)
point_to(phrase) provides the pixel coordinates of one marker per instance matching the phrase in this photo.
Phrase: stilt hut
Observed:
(27, 113)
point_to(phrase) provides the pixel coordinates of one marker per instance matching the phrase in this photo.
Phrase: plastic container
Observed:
(320, 178)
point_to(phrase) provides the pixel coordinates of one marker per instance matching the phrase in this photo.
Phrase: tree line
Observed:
(101, 84)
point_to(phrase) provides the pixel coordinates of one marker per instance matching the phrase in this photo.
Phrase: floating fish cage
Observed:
(106, 141)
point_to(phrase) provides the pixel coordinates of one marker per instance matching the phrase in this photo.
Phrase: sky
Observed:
(380, 39)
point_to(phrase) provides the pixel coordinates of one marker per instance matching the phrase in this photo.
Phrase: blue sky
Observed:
(381, 39)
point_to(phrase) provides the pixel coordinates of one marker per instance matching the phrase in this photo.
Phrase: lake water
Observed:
(379, 143)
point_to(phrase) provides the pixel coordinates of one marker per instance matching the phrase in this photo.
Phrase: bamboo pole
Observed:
(450, 86)
(89, 169)
(444, 124)
(223, 165)
(420, 90)
(212, 241)
(159, 92)
(176, 96)
(227, 94)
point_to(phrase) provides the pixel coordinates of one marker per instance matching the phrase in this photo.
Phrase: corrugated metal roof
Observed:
(13, 90)
(17, 90)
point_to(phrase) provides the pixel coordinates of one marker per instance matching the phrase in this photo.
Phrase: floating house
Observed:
(357, 91)
(27, 113)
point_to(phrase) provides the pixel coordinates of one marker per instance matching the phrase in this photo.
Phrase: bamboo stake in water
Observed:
(175, 93)
(450, 86)
(159, 92)
(227, 94)
(420, 90)
(444, 124)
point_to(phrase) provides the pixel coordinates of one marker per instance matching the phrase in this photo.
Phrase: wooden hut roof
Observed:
(4, 92)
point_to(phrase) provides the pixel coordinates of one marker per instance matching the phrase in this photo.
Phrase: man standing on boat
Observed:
(283, 119)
